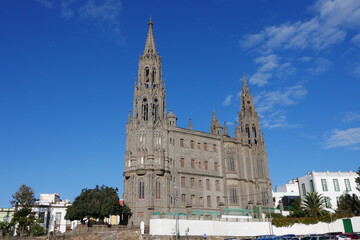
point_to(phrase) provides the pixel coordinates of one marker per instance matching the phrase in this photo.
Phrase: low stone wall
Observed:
(101, 235)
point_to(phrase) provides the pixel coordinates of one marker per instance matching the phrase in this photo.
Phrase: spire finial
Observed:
(150, 23)
(150, 42)
(190, 126)
(243, 79)
(226, 130)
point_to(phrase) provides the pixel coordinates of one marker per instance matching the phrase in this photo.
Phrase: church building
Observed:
(170, 169)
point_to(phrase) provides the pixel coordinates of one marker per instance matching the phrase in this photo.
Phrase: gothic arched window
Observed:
(145, 109)
(230, 162)
(147, 75)
(254, 134)
(247, 133)
(158, 189)
(155, 109)
(153, 75)
(141, 189)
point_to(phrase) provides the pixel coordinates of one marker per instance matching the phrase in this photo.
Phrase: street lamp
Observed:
(177, 215)
(270, 218)
(175, 196)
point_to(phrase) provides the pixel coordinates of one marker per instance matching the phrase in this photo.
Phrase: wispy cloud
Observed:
(336, 13)
(350, 117)
(268, 100)
(103, 16)
(46, 3)
(357, 68)
(356, 40)
(227, 100)
(305, 59)
(329, 26)
(66, 10)
(270, 104)
(349, 138)
(267, 65)
(285, 70)
(312, 34)
(277, 119)
(321, 65)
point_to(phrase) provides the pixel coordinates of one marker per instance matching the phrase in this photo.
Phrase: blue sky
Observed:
(67, 70)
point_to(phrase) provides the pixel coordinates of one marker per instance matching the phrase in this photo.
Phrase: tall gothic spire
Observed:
(246, 99)
(150, 42)
(149, 102)
(248, 118)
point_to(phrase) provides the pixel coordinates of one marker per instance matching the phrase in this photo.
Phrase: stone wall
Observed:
(106, 235)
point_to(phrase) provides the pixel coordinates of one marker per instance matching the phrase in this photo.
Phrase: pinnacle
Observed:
(150, 42)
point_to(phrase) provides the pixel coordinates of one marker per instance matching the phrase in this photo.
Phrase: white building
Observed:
(290, 189)
(329, 184)
(51, 210)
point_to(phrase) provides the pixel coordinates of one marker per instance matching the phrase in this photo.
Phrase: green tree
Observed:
(24, 219)
(24, 197)
(296, 209)
(95, 203)
(349, 204)
(36, 229)
(23, 200)
(314, 204)
(6, 228)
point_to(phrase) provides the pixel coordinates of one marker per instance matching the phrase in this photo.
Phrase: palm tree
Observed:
(314, 204)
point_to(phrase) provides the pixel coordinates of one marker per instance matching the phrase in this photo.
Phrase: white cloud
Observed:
(260, 79)
(227, 100)
(356, 40)
(103, 15)
(328, 27)
(285, 70)
(66, 11)
(268, 62)
(276, 119)
(357, 68)
(349, 138)
(305, 59)
(46, 3)
(267, 65)
(312, 34)
(321, 65)
(251, 40)
(269, 105)
(345, 13)
(351, 116)
(267, 101)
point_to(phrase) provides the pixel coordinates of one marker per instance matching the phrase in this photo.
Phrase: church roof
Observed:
(171, 114)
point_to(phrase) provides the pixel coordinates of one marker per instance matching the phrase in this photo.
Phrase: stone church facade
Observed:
(169, 169)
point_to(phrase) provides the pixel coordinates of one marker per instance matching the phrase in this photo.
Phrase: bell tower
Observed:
(250, 135)
(147, 174)
(149, 100)
(248, 118)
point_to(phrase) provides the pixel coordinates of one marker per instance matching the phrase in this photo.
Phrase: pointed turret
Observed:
(215, 126)
(226, 129)
(190, 126)
(248, 118)
(150, 42)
